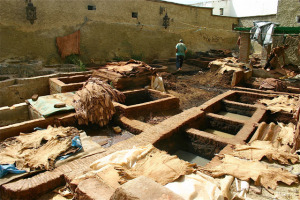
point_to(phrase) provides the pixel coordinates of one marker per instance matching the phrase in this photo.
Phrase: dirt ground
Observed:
(194, 86)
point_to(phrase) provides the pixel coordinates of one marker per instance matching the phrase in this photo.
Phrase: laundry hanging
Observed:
(262, 32)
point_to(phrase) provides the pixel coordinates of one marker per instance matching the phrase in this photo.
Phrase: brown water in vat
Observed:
(192, 158)
(234, 116)
(219, 133)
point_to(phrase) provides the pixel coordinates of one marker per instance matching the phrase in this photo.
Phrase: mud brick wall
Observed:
(204, 146)
(244, 47)
(107, 32)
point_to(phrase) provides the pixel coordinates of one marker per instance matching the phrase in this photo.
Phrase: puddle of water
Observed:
(105, 136)
(192, 158)
(219, 133)
(234, 116)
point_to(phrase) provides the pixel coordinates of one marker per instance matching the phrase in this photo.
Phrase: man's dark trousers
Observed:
(179, 61)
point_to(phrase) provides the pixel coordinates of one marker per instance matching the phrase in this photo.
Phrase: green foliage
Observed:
(190, 55)
(139, 57)
(74, 59)
(118, 58)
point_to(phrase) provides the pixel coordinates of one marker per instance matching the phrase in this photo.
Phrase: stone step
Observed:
(143, 188)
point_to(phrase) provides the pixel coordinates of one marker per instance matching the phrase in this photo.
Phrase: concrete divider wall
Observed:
(15, 91)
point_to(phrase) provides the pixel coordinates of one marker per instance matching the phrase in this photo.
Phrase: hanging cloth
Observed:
(69, 44)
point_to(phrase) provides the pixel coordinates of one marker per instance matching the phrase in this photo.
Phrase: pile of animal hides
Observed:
(39, 149)
(273, 84)
(93, 103)
(227, 64)
(129, 68)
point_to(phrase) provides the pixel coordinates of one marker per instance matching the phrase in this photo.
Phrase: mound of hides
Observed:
(126, 75)
(129, 68)
(93, 103)
(38, 150)
(122, 166)
(273, 84)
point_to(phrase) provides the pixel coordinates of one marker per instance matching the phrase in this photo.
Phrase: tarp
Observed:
(45, 104)
(262, 32)
(11, 168)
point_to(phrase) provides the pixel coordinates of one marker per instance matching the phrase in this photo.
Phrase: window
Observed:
(298, 19)
(90, 7)
(134, 15)
(221, 11)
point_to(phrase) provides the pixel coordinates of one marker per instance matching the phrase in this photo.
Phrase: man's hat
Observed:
(180, 40)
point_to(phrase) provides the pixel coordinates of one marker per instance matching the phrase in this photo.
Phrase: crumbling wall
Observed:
(110, 32)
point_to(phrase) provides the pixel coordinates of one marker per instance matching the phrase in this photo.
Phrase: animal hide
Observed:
(93, 103)
(259, 149)
(37, 150)
(260, 173)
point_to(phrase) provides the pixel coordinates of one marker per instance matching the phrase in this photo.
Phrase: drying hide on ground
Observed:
(259, 149)
(37, 150)
(93, 103)
(280, 135)
(148, 161)
(281, 103)
(245, 170)
(296, 138)
(227, 64)
(129, 68)
(273, 84)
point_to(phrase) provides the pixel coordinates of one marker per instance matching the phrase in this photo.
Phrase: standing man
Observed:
(180, 54)
(273, 60)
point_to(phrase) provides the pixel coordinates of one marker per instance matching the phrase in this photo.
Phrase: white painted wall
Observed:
(237, 8)
(245, 8)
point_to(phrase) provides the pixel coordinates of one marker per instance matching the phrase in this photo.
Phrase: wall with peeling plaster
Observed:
(110, 31)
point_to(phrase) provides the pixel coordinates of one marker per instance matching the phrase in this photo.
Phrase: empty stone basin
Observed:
(15, 114)
(218, 126)
(191, 147)
(144, 101)
(235, 110)
(74, 79)
(67, 84)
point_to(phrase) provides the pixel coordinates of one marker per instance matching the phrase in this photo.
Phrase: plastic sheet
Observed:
(5, 169)
(45, 104)
(262, 32)
(75, 143)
